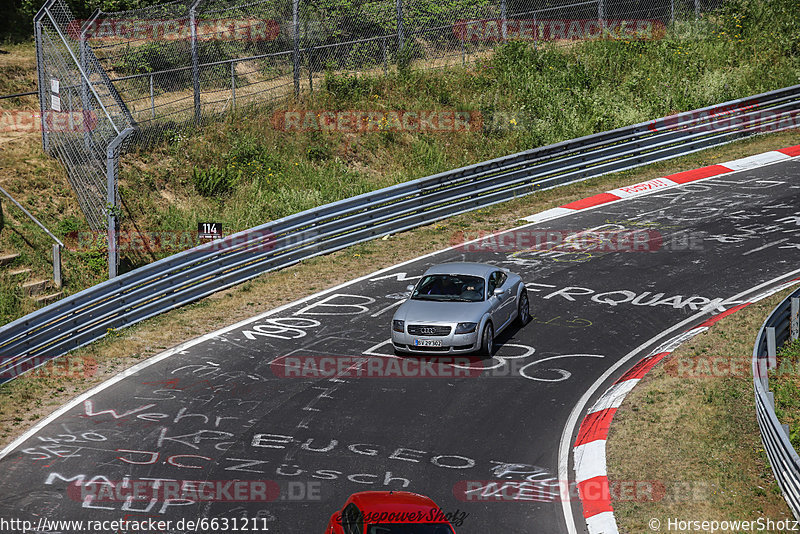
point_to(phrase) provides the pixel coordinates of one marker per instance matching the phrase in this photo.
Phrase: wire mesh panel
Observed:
(81, 111)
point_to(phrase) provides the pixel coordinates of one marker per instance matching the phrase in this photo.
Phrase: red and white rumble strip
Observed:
(589, 449)
(671, 180)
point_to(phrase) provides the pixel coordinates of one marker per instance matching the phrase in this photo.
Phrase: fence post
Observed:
(385, 66)
(195, 60)
(696, 9)
(233, 85)
(152, 99)
(57, 265)
(601, 13)
(296, 39)
(795, 319)
(310, 61)
(87, 139)
(400, 36)
(43, 87)
(672, 11)
(503, 19)
(112, 165)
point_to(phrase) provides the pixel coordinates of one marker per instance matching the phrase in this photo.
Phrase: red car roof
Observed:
(376, 502)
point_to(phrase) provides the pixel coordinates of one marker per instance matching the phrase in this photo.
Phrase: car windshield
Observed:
(463, 288)
(410, 528)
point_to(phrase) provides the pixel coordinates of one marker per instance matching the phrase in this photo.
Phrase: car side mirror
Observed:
(410, 287)
(497, 292)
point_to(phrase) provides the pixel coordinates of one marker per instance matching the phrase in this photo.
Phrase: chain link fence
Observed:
(155, 70)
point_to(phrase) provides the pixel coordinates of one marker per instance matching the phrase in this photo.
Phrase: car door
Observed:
(500, 308)
(506, 299)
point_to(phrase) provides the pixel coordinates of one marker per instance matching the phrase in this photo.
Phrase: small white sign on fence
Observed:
(55, 103)
(55, 85)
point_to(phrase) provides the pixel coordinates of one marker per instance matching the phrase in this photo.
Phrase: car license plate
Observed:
(428, 342)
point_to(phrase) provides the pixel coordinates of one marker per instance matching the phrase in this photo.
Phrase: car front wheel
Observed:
(487, 341)
(524, 309)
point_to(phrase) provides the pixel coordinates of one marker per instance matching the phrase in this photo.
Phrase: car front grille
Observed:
(429, 330)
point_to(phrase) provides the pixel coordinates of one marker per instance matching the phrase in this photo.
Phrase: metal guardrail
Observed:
(196, 273)
(780, 326)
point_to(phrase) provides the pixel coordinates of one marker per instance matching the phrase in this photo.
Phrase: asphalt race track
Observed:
(223, 408)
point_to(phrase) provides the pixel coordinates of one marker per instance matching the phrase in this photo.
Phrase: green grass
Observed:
(243, 171)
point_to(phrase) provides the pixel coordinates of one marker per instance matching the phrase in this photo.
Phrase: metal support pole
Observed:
(44, 90)
(195, 61)
(795, 319)
(400, 36)
(601, 13)
(112, 163)
(85, 101)
(385, 65)
(503, 16)
(152, 99)
(696, 9)
(309, 60)
(57, 265)
(463, 53)
(535, 30)
(296, 39)
(672, 11)
(233, 85)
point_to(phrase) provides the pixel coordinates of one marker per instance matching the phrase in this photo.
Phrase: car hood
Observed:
(427, 311)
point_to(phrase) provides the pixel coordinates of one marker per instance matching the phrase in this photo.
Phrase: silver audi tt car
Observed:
(459, 308)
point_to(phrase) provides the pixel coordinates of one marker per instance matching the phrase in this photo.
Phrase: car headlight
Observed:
(398, 326)
(465, 328)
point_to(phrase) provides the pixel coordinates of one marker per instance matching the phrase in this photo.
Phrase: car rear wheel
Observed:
(487, 341)
(523, 309)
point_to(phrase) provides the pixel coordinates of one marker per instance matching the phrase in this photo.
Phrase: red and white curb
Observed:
(589, 450)
(671, 180)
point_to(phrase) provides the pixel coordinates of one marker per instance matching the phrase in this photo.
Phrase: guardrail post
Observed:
(57, 265)
(795, 319)
(195, 60)
(771, 349)
(785, 428)
(296, 40)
